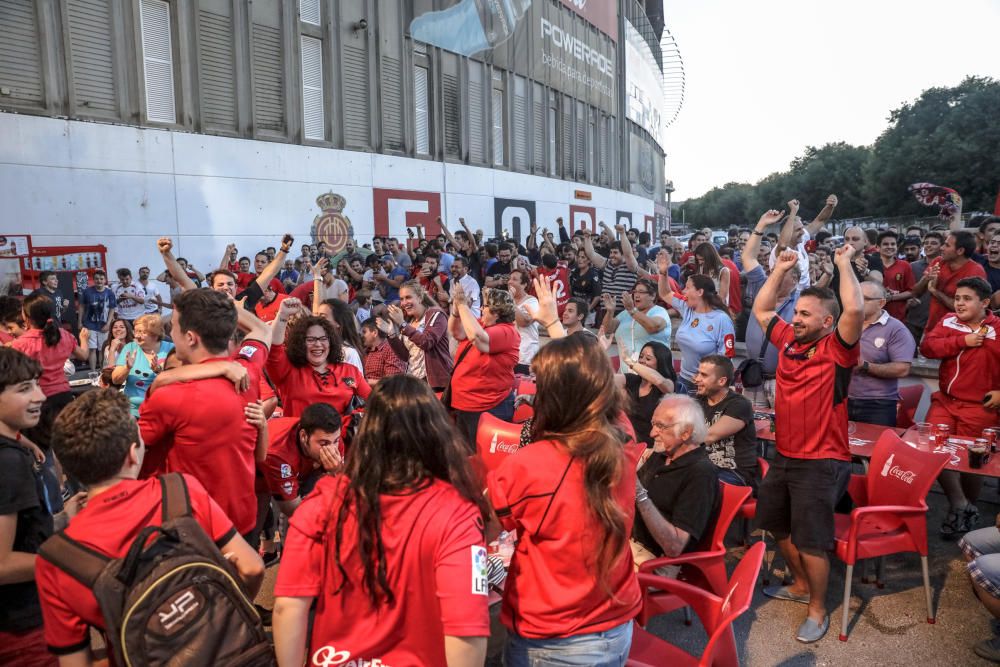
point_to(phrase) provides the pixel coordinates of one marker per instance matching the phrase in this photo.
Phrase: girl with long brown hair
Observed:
(392, 550)
(570, 496)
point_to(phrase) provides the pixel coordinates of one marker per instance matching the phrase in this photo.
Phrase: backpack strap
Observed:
(176, 502)
(80, 562)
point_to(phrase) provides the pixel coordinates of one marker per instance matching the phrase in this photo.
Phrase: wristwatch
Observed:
(864, 367)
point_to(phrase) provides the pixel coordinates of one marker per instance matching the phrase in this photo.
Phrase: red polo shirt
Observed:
(199, 428)
(268, 312)
(811, 399)
(552, 588)
(435, 565)
(897, 278)
(108, 525)
(481, 380)
(301, 386)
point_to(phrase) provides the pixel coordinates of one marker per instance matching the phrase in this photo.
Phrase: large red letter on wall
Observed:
(582, 217)
(395, 210)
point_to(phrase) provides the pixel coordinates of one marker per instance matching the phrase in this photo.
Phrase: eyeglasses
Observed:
(312, 340)
(641, 291)
(660, 426)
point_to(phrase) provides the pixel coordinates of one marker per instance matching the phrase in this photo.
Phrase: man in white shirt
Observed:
(460, 275)
(157, 293)
(795, 234)
(130, 297)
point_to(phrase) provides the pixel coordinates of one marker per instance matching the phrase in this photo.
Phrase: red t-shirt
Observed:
(267, 312)
(199, 428)
(109, 524)
(897, 278)
(243, 281)
(304, 293)
(947, 283)
(52, 359)
(482, 380)
(552, 588)
(560, 284)
(285, 464)
(435, 567)
(811, 399)
(301, 386)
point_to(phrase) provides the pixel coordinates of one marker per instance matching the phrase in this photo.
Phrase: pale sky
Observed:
(767, 78)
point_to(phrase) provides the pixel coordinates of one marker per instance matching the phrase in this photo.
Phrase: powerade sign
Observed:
(575, 60)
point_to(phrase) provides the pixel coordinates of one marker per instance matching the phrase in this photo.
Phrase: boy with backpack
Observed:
(175, 594)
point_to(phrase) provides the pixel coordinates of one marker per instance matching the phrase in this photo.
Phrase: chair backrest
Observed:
(526, 387)
(899, 474)
(720, 652)
(731, 498)
(496, 440)
(909, 399)
(523, 413)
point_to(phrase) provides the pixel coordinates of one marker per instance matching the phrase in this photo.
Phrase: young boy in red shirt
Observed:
(98, 443)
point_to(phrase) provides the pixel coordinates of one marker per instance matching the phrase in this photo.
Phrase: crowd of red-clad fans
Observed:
(321, 413)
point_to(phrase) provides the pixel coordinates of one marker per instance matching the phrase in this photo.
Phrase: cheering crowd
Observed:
(319, 413)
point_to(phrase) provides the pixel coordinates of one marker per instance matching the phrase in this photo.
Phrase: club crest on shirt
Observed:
(694, 322)
(880, 342)
(349, 382)
(709, 328)
(480, 580)
(286, 471)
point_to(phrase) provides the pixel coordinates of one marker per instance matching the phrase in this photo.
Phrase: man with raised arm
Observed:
(795, 234)
(818, 351)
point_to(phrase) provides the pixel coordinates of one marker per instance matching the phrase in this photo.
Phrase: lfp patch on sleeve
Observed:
(480, 580)
(248, 351)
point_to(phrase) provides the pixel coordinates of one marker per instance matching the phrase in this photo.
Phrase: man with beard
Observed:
(863, 267)
(943, 275)
(460, 275)
(911, 249)
(732, 433)
(817, 354)
(991, 264)
(497, 275)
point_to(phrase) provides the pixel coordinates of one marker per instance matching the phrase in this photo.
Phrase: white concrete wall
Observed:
(71, 183)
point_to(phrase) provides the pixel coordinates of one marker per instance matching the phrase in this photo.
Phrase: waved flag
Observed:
(928, 194)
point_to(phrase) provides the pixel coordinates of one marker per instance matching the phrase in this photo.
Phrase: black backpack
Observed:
(174, 601)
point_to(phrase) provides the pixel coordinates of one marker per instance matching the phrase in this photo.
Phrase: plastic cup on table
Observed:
(979, 452)
(924, 432)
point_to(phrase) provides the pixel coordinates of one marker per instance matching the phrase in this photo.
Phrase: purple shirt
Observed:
(886, 340)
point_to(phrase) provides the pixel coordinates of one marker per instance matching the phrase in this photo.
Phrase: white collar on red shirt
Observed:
(952, 322)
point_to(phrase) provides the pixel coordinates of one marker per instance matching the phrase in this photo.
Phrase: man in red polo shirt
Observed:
(299, 451)
(97, 443)
(968, 345)
(199, 427)
(942, 276)
(817, 353)
(267, 308)
(897, 277)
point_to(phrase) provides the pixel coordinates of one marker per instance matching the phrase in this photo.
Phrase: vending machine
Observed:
(74, 265)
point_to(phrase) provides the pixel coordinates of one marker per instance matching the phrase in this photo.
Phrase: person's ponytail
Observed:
(708, 292)
(39, 313)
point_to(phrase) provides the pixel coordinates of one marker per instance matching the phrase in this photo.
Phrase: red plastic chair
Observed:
(496, 440)
(748, 510)
(707, 566)
(716, 613)
(890, 514)
(524, 412)
(909, 399)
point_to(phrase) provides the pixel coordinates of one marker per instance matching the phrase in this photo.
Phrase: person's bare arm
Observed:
(287, 309)
(650, 375)
(892, 369)
(670, 538)
(724, 279)
(817, 223)
(471, 327)
(253, 326)
(726, 426)
(752, 247)
(82, 658)
(80, 351)
(247, 562)
(766, 303)
(547, 311)
(224, 263)
(630, 261)
(271, 270)
(291, 629)
(15, 566)
(473, 243)
(165, 245)
(852, 314)
(595, 258)
(256, 417)
(464, 651)
(232, 371)
(788, 229)
(531, 243)
(609, 324)
(319, 287)
(955, 224)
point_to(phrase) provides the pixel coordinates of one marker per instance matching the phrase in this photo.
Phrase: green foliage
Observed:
(947, 136)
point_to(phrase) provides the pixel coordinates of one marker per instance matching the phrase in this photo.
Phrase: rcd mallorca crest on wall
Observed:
(332, 226)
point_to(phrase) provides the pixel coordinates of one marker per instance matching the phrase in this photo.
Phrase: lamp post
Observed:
(668, 187)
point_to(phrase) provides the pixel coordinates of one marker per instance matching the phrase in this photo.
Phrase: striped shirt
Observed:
(616, 280)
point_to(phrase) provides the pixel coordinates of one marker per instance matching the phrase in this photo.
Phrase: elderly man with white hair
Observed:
(677, 487)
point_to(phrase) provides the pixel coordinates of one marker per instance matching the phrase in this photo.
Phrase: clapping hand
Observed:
(130, 359)
(608, 301)
(604, 340)
(395, 314)
(385, 326)
(458, 296)
(547, 311)
(664, 260)
(627, 302)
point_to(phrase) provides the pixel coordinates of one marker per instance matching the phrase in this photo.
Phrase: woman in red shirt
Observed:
(571, 592)
(305, 364)
(483, 375)
(392, 551)
(51, 346)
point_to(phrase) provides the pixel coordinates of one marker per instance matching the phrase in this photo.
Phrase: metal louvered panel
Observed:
(158, 64)
(392, 104)
(309, 11)
(313, 118)
(603, 177)
(567, 138)
(423, 142)
(553, 148)
(357, 130)
(452, 128)
(90, 47)
(20, 61)
(581, 131)
(268, 88)
(477, 97)
(538, 127)
(216, 70)
(497, 127)
(519, 125)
